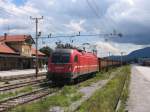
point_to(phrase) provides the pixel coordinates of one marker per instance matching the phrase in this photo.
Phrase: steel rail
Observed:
(21, 84)
(10, 103)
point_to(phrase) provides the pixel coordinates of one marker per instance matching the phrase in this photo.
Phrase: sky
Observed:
(68, 17)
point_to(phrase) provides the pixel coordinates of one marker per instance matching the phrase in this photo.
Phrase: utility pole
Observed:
(121, 58)
(109, 54)
(8, 29)
(36, 43)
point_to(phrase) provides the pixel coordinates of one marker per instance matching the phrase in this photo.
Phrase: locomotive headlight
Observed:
(49, 69)
(69, 67)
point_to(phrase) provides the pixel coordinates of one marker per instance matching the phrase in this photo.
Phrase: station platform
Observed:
(15, 74)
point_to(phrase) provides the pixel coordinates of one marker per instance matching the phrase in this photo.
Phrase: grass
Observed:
(22, 90)
(64, 98)
(15, 93)
(99, 76)
(125, 94)
(105, 99)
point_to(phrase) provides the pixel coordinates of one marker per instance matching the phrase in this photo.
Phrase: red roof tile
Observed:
(39, 53)
(5, 49)
(14, 38)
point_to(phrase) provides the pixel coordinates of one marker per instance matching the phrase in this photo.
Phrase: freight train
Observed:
(68, 64)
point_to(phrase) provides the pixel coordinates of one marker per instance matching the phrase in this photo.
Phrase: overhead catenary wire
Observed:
(96, 10)
(77, 35)
(96, 6)
(93, 9)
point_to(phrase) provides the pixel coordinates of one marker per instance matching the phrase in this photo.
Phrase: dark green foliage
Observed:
(46, 50)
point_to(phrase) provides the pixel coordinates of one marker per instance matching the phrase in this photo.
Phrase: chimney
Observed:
(5, 36)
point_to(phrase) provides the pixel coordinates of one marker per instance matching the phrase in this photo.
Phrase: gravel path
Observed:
(139, 97)
(88, 92)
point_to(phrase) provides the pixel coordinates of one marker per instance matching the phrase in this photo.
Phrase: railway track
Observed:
(10, 103)
(22, 84)
(20, 77)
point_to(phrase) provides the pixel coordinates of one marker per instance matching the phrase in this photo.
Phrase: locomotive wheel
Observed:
(71, 82)
(94, 75)
(76, 80)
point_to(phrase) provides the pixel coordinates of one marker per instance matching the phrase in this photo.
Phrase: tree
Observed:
(46, 50)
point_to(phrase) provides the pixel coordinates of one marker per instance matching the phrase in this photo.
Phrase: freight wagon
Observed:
(105, 63)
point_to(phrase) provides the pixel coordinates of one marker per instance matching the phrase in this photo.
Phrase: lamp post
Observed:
(121, 58)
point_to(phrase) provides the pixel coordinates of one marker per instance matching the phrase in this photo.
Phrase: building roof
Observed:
(5, 49)
(39, 53)
(15, 38)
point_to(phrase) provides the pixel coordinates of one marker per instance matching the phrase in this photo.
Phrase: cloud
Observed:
(130, 17)
(127, 16)
(76, 26)
(112, 48)
(74, 1)
(107, 47)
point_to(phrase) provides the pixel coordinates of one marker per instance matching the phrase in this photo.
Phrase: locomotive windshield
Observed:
(60, 58)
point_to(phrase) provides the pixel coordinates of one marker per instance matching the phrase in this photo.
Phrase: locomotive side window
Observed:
(76, 58)
(60, 58)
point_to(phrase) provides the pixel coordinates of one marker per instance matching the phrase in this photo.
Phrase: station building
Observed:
(16, 52)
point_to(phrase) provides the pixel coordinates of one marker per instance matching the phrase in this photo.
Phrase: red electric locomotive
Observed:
(67, 64)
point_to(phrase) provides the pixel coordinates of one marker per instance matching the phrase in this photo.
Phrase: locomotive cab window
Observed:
(76, 58)
(60, 58)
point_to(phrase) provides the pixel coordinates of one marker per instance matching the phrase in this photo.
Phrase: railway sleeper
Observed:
(12, 102)
(6, 105)
(2, 109)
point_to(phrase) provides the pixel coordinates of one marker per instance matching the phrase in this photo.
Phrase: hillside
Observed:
(140, 53)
